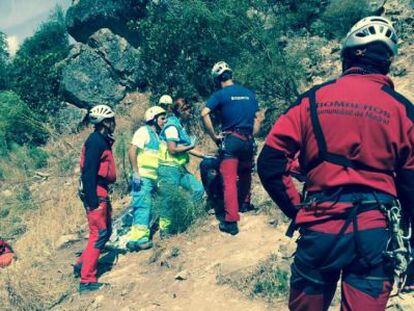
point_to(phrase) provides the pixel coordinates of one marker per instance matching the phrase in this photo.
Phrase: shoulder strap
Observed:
(323, 154)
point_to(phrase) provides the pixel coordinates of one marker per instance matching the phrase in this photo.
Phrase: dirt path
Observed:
(148, 280)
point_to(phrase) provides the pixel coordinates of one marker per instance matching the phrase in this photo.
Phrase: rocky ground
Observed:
(184, 272)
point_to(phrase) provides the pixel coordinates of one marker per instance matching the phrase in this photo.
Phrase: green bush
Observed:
(341, 15)
(181, 40)
(35, 74)
(4, 59)
(269, 280)
(18, 123)
(39, 157)
(183, 212)
(121, 148)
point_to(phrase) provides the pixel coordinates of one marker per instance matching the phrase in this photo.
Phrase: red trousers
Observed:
(236, 171)
(357, 259)
(100, 228)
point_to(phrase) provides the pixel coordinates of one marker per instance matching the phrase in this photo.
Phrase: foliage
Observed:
(184, 212)
(39, 157)
(4, 58)
(183, 39)
(35, 71)
(18, 123)
(269, 280)
(121, 155)
(341, 15)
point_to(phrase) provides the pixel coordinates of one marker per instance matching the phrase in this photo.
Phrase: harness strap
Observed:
(358, 207)
(324, 155)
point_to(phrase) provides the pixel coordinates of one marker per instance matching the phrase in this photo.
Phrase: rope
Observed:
(398, 247)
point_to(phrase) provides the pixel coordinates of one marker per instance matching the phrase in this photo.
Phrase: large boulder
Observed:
(86, 17)
(88, 79)
(101, 71)
(122, 57)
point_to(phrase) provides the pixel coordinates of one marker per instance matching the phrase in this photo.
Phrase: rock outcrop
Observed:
(86, 17)
(101, 71)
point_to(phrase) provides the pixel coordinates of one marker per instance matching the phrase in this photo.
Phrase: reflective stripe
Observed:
(138, 232)
(172, 160)
(183, 139)
(165, 223)
(148, 157)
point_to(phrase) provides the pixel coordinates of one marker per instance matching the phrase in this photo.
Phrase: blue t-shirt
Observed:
(238, 106)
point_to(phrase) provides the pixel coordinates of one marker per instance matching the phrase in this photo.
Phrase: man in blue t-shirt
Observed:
(238, 107)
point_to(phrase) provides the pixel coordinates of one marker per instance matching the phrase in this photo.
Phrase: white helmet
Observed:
(153, 112)
(219, 68)
(165, 100)
(372, 29)
(99, 113)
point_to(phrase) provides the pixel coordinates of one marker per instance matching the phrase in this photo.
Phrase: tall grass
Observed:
(41, 212)
(269, 280)
(183, 212)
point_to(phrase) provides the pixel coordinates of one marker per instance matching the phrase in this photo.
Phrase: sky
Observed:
(20, 18)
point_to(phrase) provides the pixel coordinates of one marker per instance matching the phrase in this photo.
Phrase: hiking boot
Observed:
(164, 234)
(229, 227)
(77, 270)
(91, 287)
(247, 207)
(136, 246)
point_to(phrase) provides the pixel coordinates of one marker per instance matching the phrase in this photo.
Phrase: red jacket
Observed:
(97, 167)
(366, 138)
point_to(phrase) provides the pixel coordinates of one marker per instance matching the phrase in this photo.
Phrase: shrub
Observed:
(4, 58)
(183, 212)
(121, 156)
(18, 123)
(341, 15)
(269, 280)
(181, 40)
(39, 157)
(35, 72)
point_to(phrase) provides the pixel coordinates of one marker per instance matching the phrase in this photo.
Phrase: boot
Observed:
(246, 207)
(141, 244)
(77, 270)
(229, 227)
(90, 287)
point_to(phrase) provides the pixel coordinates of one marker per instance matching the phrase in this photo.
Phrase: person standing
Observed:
(355, 135)
(174, 156)
(97, 173)
(144, 156)
(238, 107)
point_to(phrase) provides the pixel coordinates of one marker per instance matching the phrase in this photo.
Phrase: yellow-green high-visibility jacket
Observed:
(148, 157)
(183, 138)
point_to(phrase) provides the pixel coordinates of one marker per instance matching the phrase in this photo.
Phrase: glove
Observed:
(135, 182)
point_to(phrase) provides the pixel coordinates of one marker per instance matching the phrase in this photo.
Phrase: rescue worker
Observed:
(97, 172)
(174, 156)
(356, 141)
(144, 177)
(238, 107)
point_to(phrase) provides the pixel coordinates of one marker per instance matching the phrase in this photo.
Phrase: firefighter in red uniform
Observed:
(356, 141)
(98, 171)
